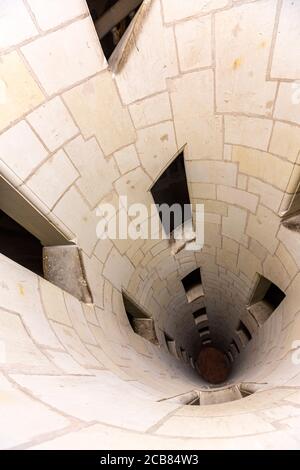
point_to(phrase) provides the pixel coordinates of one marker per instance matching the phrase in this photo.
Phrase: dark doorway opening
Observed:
(111, 19)
(19, 245)
(171, 188)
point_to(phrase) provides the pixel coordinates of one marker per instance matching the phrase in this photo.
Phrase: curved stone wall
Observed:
(218, 78)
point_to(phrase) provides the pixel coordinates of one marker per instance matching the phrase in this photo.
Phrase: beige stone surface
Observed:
(194, 43)
(251, 132)
(241, 68)
(21, 408)
(264, 166)
(263, 228)
(211, 172)
(286, 57)
(176, 10)
(195, 122)
(52, 13)
(16, 24)
(53, 123)
(285, 141)
(98, 111)
(61, 67)
(19, 351)
(156, 147)
(54, 303)
(151, 110)
(97, 174)
(151, 61)
(78, 319)
(76, 214)
(19, 92)
(19, 293)
(127, 159)
(237, 197)
(287, 104)
(45, 183)
(233, 226)
(21, 150)
(269, 196)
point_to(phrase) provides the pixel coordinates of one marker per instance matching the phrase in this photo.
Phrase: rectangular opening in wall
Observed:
(192, 284)
(20, 245)
(32, 241)
(243, 333)
(141, 323)
(171, 191)
(200, 316)
(265, 300)
(235, 346)
(112, 19)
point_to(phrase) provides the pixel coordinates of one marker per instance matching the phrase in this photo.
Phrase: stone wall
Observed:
(217, 78)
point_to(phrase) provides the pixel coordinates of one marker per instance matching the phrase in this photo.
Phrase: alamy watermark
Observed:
(152, 222)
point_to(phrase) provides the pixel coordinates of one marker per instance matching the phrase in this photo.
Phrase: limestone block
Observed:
(75, 397)
(275, 271)
(53, 302)
(134, 185)
(175, 10)
(53, 123)
(242, 181)
(98, 111)
(118, 269)
(75, 214)
(264, 166)
(237, 197)
(16, 24)
(19, 351)
(291, 241)
(269, 196)
(77, 317)
(285, 141)
(97, 173)
(227, 259)
(194, 43)
(156, 147)
(286, 56)
(258, 250)
(52, 13)
(202, 171)
(102, 249)
(287, 104)
(171, 62)
(21, 150)
(234, 225)
(151, 110)
(19, 293)
(152, 60)
(203, 191)
(45, 182)
(263, 228)
(61, 67)
(127, 159)
(287, 260)
(195, 121)
(230, 245)
(222, 426)
(74, 346)
(19, 92)
(242, 60)
(248, 131)
(93, 269)
(66, 363)
(22, 409)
